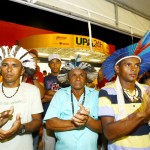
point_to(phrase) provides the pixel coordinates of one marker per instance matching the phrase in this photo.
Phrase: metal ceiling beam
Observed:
(129, 9)
(73, 16)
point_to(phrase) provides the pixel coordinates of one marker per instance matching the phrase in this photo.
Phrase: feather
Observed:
(141, 49)
(18, 53)
(78, 64)
(16, 50)
(143, 43)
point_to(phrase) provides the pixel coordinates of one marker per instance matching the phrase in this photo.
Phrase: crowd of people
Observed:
(67, 109)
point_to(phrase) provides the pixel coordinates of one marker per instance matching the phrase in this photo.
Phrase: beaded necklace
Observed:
(72, 104)
(133, 98)
(12, 95)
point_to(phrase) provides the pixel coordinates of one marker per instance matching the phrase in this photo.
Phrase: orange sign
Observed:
(64, 41)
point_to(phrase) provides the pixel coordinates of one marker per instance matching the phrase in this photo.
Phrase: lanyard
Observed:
(72, 104)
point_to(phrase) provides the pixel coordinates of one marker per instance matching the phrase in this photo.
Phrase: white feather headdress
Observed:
(19, 53)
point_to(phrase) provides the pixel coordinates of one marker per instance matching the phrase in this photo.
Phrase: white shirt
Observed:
(26, 101)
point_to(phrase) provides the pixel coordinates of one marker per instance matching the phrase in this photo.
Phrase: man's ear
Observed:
(116, 68)
(68, 80)
(22, 71)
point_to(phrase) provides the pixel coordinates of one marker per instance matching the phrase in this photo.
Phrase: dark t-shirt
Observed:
(50, 83)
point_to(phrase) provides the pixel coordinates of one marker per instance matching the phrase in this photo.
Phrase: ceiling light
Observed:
(32, 1)
(43, 54)
(95, 60)
(81, 53)
(66, 58)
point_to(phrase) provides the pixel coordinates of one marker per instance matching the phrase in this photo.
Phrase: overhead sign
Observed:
(64, 41)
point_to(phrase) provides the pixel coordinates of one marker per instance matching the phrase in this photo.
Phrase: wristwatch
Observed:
(22, 130)
(35, 78)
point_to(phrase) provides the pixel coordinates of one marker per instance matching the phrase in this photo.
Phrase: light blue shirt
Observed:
(61, 107)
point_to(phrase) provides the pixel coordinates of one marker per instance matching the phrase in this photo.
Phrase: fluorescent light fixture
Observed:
(81, 53)
(72, 57)
(66, 58)
(95, 60)
(43, 54)
(32, 1)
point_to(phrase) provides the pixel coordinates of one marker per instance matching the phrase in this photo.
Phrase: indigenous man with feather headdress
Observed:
(24, 98)
(73, 112)
(124, 106)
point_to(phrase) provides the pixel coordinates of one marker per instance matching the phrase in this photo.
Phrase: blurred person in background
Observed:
(51, 85)
(145, 78)
(36, 78)
(44, 73)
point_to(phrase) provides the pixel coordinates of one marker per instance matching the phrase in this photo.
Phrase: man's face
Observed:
(11, 70)
(128, 69)
(55, 65)
(35, 58)
(77, 79)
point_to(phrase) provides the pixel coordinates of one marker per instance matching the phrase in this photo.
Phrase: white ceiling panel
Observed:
(140, 6)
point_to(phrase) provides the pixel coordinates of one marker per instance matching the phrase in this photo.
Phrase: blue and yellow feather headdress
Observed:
(140, 50)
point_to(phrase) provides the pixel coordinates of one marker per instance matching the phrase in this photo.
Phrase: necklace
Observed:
(12, 95)
(133, 98)
(72, 104)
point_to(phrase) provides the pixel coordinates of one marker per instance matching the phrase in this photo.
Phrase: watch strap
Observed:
(35, 78)
(22, 130)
